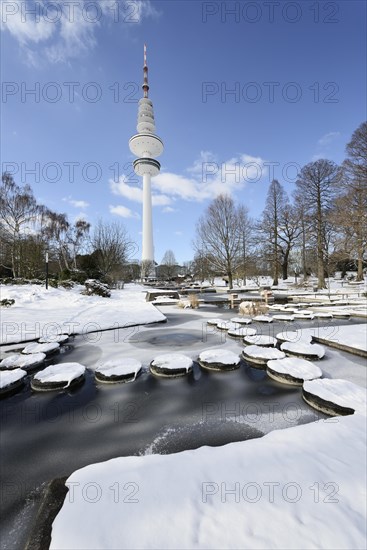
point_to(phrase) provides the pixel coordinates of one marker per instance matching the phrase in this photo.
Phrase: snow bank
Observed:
(291, 489)
(40, 313)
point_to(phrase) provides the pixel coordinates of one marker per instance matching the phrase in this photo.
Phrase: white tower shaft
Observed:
(146, 145)
(148, 250)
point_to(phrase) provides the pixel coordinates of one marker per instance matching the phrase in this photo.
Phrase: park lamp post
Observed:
(46, 269)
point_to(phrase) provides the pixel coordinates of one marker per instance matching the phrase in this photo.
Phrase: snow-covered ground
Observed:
(38, 312)
(291, 489)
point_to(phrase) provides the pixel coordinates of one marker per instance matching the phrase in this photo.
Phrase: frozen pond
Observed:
(50, 435)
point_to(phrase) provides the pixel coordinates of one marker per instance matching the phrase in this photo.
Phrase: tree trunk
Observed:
(285, 266)
(230, 280)
(320, 247)
(360, 261)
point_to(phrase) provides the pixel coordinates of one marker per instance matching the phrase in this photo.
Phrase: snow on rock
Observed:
(214, 321)
(304, 316)
(241, 320)
(283, 317)
(294, 488)
(118, 369)
(302, 349)
(11, 377)
(259, 355)
(241, 332)
(263, 318)
(19, 361)
(61, 375)
(260, 340)
(48, 348)
(323, 315)
(228, 325)
(58, 338)
(293, 370)
(335, 396)
(293, 336)
(218, 356)
(171, 364)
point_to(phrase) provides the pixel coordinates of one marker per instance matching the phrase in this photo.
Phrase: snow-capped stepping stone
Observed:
(58, 377)
(11, 380)
(260, 340)
(214, 321)
(219, 359)
(335, 397)
(292, 370)
(263, 318)
(283, 317)
(20, 361)
(228, 325)
(341, 314)
(302, 349)
(58, 338)
(323, 315)
(241, 320)
(125, 369)
(241, 332)
(304, 316)
(293, 336)
(50, 347)
(258, 356)
(171, 365)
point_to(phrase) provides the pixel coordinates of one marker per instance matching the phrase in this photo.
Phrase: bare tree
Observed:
(275, 207)
(168, 267)
(354, 197)
(219, 235)
(19, 212)
(289, 230)
(112, 247)
(147, 269)
(246, 228)
(317, 187)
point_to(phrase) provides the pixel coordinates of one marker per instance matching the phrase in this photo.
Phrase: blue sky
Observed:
(242, 92)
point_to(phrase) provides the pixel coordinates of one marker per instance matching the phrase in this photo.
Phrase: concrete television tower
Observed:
(146, 145)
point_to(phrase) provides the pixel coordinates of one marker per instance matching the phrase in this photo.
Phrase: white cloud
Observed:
(178, 233)
(76, 203)
(59, 31)
(328, 138)
(123, 211)
(135, 194)
(208, 179)
(168, 209)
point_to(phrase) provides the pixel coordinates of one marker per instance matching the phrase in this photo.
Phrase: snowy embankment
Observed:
(294, 488)
(352, 336)
(38, 312)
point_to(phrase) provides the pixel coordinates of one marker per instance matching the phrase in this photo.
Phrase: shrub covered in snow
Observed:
(93, 287)
(7, 303)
